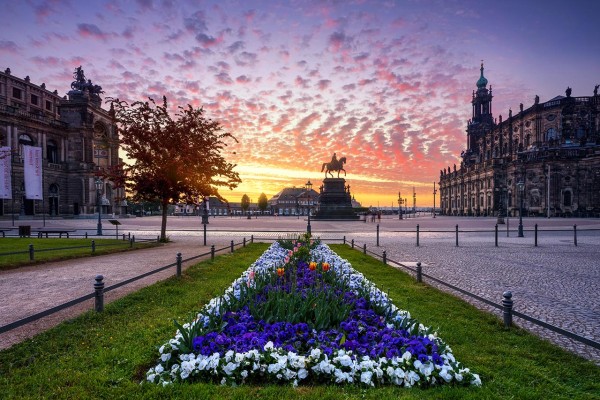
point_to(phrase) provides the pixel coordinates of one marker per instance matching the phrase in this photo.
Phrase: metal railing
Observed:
(99, 288)
(506, 306)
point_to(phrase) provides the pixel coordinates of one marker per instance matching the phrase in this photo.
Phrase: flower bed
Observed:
(303, 314)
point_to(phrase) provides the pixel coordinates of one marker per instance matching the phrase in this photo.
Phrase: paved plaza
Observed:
(556, 281)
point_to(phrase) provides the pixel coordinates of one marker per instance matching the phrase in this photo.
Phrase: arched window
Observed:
(24, 140)
(52, 151)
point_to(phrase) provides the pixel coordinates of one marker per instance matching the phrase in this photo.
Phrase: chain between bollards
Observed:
(507, 305)
(178, 261)
(419, 272)
(99, 293)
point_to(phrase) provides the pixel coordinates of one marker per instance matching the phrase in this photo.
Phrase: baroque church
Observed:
(77, 137)
(545, 159)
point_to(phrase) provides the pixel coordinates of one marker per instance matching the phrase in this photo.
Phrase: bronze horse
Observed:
(334, 166)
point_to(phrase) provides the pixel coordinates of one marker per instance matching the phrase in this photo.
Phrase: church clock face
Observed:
(551, 117)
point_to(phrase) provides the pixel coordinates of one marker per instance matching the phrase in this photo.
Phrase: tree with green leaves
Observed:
(245, 204)
(262, 202)
(173, 158)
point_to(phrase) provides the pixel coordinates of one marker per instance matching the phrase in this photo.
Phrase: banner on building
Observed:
(5, 173)
(33, 172)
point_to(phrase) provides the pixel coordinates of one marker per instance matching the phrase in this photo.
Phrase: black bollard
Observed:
(535, 235)
(244, 242)
(507, 305)
(99, 293)
(384, 257)
(456, 235)
(417, 235)
(496, 235)
(377, 235)
(232, 246)
(31, 252)
(365, 248)
(93, 246)
(419, 272)
(352, 243)
(178, 261)
(575, 234)
(212, 252)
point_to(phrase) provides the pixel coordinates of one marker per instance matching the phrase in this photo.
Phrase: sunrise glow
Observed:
(386, 84)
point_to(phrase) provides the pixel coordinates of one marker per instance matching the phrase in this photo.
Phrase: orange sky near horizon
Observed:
(387, 84)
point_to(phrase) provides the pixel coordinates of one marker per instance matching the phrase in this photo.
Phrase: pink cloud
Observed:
(92, 31)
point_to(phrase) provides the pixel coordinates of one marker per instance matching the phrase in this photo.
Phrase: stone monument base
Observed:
(335, 201)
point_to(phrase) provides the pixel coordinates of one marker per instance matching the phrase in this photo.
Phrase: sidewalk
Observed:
(33, 289)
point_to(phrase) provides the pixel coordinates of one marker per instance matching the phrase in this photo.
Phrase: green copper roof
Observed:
(482, 82)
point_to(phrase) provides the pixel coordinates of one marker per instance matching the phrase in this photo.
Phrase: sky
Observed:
(387, 84)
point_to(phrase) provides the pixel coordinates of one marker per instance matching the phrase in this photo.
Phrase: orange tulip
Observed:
(312, 266)
(280, 271)
(325, 267)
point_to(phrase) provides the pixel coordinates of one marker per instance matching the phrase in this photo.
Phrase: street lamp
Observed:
(399, 206)
(434, 193)
(99, 183)
(308, 186)
(521, 187)
(205, 216)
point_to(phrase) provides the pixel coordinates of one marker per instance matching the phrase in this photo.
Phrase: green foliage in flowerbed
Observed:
(63, 249)
(106, 355)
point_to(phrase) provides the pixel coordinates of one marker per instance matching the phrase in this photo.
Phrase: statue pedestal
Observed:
(335, 202)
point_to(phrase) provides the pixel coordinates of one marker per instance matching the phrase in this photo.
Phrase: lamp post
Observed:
(521, 187)
(434, 193)
(500, 219)
(308, 187)
(99, 183)
(399, 206)
(205, 216)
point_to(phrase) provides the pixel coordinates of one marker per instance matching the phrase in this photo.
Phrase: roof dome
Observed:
(482, 82)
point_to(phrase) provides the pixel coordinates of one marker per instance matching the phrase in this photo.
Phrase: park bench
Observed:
(57, 231)
(4, 230)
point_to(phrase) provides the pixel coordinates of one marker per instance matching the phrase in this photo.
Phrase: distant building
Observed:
(295, 201)
(548, 155)
(77, 137)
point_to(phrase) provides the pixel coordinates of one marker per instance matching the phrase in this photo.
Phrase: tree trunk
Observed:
(163, 224)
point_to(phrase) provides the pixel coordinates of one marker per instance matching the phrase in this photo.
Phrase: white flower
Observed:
(445, 375)
(165, 357)
(159, 369)
(366, 376)
(302, 373)
(229, 368)
(476, 380)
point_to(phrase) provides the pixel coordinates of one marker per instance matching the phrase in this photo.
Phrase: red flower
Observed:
(280, 271)
(312, 266)
(325, 267)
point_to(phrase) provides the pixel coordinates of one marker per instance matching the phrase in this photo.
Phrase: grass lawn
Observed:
(63, 249)
(106, 355)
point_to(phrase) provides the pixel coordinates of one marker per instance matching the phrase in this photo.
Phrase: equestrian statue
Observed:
(334, 165)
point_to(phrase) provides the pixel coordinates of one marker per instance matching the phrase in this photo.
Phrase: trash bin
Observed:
(24, 230)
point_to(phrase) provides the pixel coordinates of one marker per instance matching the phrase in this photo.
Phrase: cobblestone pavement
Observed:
(556, 282)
